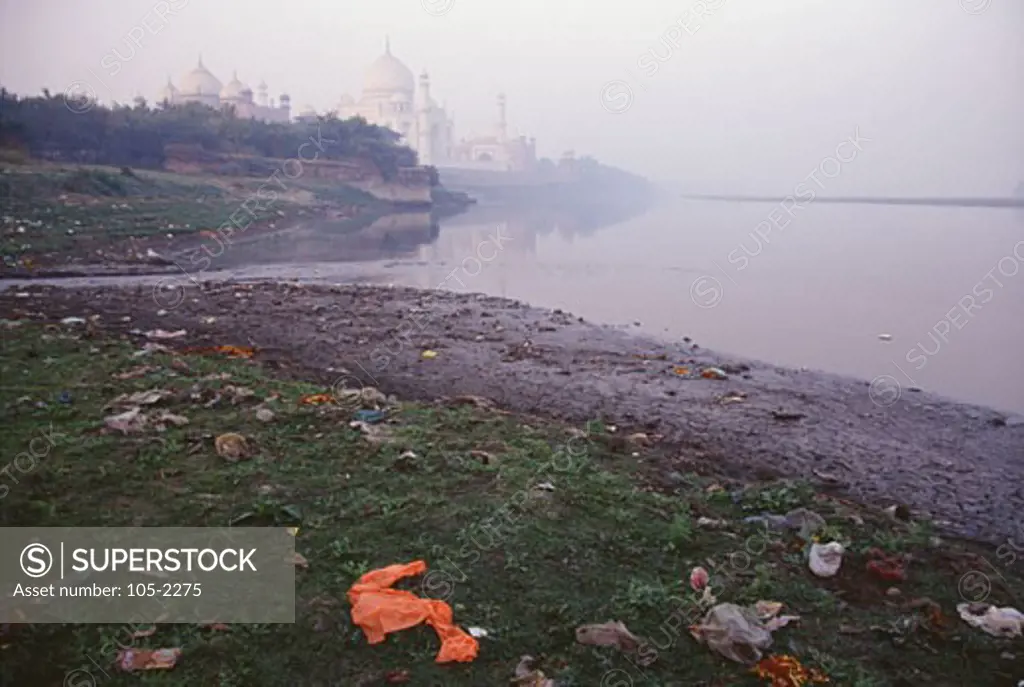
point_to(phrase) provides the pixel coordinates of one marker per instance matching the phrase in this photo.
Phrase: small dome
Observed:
(234, 89)
(346, 100)
(285, 98)
(200, 81)
(388, 75)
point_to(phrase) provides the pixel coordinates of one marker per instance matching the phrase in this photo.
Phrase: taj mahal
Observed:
(391, 97)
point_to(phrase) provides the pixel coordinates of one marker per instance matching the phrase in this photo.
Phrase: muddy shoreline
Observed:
(960, 464)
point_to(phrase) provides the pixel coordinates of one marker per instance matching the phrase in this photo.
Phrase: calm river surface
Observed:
(944, 285)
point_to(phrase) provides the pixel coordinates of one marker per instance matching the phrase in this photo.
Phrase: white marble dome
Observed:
(200, 81)
(388, 75)
(235, 89)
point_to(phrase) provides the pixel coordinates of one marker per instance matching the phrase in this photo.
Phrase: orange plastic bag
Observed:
(380, 610)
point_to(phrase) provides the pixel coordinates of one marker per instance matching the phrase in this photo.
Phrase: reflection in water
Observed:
(389, 237)
(817, 293)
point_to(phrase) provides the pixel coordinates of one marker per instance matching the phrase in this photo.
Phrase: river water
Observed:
(945, 286)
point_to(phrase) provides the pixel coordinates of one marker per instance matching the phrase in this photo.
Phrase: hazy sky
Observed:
(752, 96)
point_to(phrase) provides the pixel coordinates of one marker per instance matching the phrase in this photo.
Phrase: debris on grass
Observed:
(714, 373)
(129, 422)
(231, 446)
(72, 320)
(886, 567)
(613, 633)
(734, 632)
(131, 660)
(265, 415)
(806, 521)
(484, 457)
(149, 349)
(786, 671)
(316, 399)
(699, 579)
(373, 434)
(380, 610)
(299, 560)
(370, 416)
(825, 559)
(136, 372)
(999, 622)
(477, 632)
(230, 351)
(545, 486)
(139, 398)
(712, 523)
(238, 394)
(528, 676)
(163, 334)
(165, 418)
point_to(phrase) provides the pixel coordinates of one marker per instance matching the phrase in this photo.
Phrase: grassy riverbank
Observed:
(534, 528)
(60, 215)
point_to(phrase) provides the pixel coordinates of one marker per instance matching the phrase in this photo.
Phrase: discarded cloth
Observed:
(380, 610)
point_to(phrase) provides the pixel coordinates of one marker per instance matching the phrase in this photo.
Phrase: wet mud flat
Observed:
(958, 464)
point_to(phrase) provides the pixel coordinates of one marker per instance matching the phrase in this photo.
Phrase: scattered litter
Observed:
(139, 398)
(429, 355)
(733, 397)
(141, 634)
(885, 337)
(1000, 622)
(299, 560)
(397, 677)
(699, 579)
(149, 349)
(231, 446)
(238, 394)
(786, 671)
(131, 660)
(265, 415)
(712, 523)
(787, 416)
(484, 457)
(316, 399)
(380, 610)
(477, 632)
(898, 512)
(734, 632)
(886, 567)
(135, 372)
(64, 398)
(370, 416)
(373, 434)
(681, 371)
(527, 676)
(545, 486)
(714, 373)
(72, 320)
(825, 559)
(612, 633)
(806, 521)
(128, 422)
(162, 334)
(165, 418)
(767, 609)
(639, 438)
(229, 351)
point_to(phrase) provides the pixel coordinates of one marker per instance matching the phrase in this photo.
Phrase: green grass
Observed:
(51, 211)
(526, 564)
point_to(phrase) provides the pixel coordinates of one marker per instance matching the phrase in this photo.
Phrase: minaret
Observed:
(387, 45)
(261, 93)
(425, 142)
(502, 123)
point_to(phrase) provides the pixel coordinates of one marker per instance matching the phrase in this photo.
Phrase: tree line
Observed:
(83, 131)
